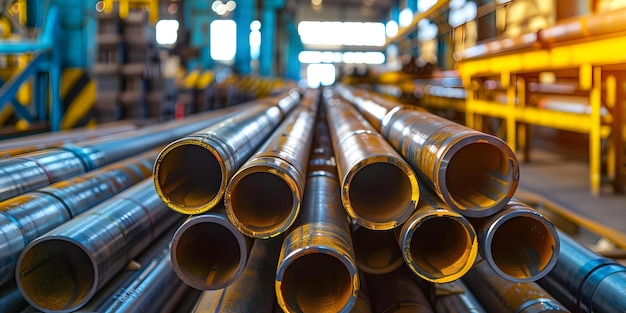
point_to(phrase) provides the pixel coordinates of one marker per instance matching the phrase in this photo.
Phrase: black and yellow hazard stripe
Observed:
(78, 95)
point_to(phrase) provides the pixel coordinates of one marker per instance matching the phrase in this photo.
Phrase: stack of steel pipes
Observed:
(330, 200)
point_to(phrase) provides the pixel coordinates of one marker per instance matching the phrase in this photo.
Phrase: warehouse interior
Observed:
(367, 156)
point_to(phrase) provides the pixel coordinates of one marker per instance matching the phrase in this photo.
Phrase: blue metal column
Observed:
(244, 15)
(199, 19)
(294, 47)
(268, 34)
(79, 29)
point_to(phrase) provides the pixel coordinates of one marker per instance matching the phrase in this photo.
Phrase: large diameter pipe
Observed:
(34, 170)
(454, 297)
(397, 292)
(379, 190)
(519, 243)
(586, 282)
(438, 244)
(316, 270)
(253, 291)
(208, 252)
(28, 216)
(11, 301)
(263, 197)
(62, 270)
(474, 173)
(191, 173)
(497, 294)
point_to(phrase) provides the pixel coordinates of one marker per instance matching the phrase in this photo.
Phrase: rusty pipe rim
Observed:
(478, 175)
(380, 192)
(521, 245)
(439, 246)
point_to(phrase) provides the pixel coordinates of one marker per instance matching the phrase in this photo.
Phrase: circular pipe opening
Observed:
(262, 203)
(382, 193)
(479, 176)
(441, 249)
(208, 256)
(523, 249)
(376, 251)
(189, 177)
(56, 275)
(317, 283)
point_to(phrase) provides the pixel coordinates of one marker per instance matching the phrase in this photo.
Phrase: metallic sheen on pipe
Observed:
(379, 190)
(28, 216)
(62, 270)
(437, 243)
(253, 291)
(586, 282)
(191, 173)
(397, 291)
(497, 294)
(474, 173)
(316, 269)
(208, 252)
(376, 251)
(263, 197)
(518, 243)
(34, 170)
(455, 297)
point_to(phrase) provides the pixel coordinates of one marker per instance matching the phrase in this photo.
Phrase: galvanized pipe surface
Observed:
(28, 216)
(316, 268)
(191, 173)
(519, 243)
(497, 294)
(455, 297)
(379, 190)
(376, 251)
(398, 292)
(263, 197)
(62, 270)
(208, 252)
(438, 244)
(253, 291)
(34, 170)
(586, 282)
(11, 300)
(474, 173)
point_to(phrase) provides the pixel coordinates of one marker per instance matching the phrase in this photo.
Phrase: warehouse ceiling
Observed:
(343, 10)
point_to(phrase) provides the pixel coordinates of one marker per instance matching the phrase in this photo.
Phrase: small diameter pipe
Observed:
(397, 292)
(454, 297)
(376, 251)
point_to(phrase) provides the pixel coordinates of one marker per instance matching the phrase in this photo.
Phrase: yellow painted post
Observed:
(522, 128)
(585, 76)
(123, 8)
(469, 104)
(153, 13)
(611, 87)
(511, 121)
(594, 133)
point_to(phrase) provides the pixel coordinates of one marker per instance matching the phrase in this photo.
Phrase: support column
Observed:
(199, 20)
(294, 47)
(244, 15)
(268, 35)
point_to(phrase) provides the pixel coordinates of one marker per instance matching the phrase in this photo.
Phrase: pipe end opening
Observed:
(376, 251)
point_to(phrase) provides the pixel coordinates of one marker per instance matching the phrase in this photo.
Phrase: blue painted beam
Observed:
(244, 15)
(268, 35)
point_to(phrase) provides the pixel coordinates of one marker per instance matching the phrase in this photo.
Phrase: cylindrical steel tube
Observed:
(497, 294)
(34, 170)
(376, 251)
(437, 243)
(474, 173)
(397, 292)
(263, 197)
(518, 243)
(316, 268)
(208, 252)
(191, 173)
(379, 190)
(253, 291)
(362, 304)
(586, 282)
(454, 297)
(62, 270)
(28, 216)
(11, 301)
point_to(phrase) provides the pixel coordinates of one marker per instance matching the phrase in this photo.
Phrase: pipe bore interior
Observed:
(189, 175)
(381, 192)
(479, 176)
(316, 282)
(376, 251)
(208, 255)
(441, 248)
(261, 200)
(522, 247)
(56, 275)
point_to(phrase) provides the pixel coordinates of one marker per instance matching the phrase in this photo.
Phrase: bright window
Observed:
(223, 40)
(167, 32)
(342, 33)
(320, 74)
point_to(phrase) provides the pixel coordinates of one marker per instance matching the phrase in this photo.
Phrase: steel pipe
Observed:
(437, 243)
(34, 170)
(497, 294)
(474, 173)
(28, 216)
(397, 291)
(253, 291)
(362, 304)
(518, 243)
(263, 197)
(208, 252)
(455, 297)
(11, 301)
(376, 251)
(586, 282)
(379, 190)
(316, 268)
(191, 173)
(62, 270)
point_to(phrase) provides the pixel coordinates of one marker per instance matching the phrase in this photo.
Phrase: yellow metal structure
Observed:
(152, 6)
